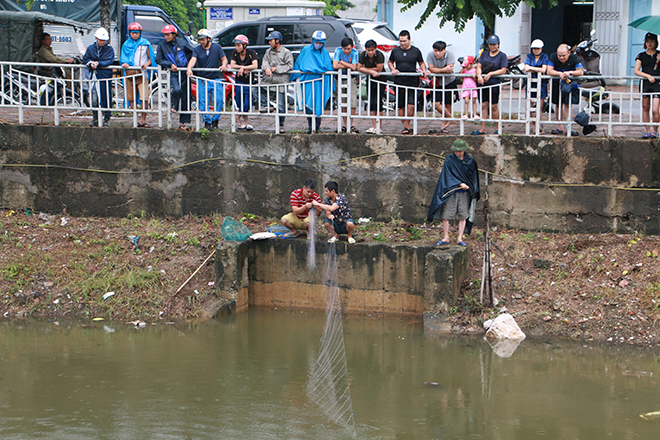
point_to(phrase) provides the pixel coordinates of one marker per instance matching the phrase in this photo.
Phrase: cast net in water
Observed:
(328, 384)
(311, 249)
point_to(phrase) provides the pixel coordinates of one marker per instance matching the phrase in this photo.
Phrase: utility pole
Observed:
(106, 16)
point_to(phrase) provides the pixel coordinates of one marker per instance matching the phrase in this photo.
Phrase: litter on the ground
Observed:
(108, 295)
(262, 236)
(364, 220)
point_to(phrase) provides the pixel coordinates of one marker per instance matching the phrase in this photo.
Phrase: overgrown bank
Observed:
(593, 287)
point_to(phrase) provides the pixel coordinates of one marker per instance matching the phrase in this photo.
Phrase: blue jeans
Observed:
(212, 90)
(242, 94)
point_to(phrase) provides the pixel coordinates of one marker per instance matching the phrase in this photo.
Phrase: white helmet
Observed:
(318, 35)
(536, 44)
(203, 33)
(101, 34)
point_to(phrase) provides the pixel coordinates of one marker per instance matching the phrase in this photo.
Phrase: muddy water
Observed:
(244, 377)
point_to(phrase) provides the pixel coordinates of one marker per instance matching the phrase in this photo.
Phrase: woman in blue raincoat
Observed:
(316, 88)
(138, 53)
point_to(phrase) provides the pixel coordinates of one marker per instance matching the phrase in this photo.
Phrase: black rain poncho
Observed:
(454, 172)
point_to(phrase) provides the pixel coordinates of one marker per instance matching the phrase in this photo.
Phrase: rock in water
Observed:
(504, 327)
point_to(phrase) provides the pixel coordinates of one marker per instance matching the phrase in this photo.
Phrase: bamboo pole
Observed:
(194, 273)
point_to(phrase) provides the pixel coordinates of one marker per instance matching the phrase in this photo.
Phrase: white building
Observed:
(569, 22)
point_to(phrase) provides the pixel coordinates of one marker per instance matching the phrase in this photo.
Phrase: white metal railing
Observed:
(356, 97)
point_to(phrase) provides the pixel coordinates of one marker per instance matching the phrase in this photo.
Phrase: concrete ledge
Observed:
(373, 278)
(384, 177)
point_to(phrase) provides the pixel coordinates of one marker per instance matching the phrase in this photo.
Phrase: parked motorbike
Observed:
(424, 97)
(591, 61)
(515, 67)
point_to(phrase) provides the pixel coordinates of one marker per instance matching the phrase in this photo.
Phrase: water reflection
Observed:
(244, 376)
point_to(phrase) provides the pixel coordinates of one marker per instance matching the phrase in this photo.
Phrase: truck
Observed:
(67, 42)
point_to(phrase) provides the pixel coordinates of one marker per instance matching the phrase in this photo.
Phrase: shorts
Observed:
(340, 228)
(458, 203)
(469, 93)
(447, 96)
(136, 82)
(653, 88)
(296, 222)
(405, 95)
(572, 97)
(354, 93)
(490, 93)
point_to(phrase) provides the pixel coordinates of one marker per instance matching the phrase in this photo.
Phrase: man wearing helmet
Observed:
(491, 62)
(317, 88)
(244, 60)
(173, 54)
(137, 52)
(98, 56)
(276, 64)
(208, 55)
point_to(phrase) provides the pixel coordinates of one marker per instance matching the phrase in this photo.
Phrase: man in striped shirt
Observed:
(301, 203)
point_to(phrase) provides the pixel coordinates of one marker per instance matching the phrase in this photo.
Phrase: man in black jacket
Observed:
(172, 54)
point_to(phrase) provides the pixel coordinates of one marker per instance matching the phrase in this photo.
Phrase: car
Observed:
(385, 39)
(296, 32)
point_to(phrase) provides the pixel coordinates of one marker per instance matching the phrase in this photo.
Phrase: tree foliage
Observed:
(332, 6)
(461, 11)
(181, 11)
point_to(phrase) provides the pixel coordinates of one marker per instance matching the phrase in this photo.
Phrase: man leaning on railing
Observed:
(97, 58)
(276, 65)
(173, 54)
(564, 64)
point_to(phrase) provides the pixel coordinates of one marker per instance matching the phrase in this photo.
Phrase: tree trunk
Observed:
(105, 16)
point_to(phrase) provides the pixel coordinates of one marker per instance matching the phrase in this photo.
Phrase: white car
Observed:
(385, 39)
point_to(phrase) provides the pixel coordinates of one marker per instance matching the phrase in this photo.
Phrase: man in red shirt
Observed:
(301, 203)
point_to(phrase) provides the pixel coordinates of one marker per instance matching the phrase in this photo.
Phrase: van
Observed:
(296, 33)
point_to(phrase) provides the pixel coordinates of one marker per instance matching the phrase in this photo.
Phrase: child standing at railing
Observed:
(469, 87)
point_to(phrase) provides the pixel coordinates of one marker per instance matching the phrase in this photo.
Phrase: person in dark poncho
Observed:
(458, 187)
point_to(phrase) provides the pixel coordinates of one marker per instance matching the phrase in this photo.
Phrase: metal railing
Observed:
(338, 97)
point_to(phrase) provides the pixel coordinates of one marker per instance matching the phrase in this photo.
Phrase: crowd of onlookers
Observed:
(479, 84)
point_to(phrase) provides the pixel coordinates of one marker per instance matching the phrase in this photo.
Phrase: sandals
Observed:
(442, 243)
(557, 131)
(462, 243)
(143, 125)
(240, 127)
(646, 136)
(406, 131)
(477, 133)
(183, 127)
(249, 127)
(372, 131)
(354, 130)
(654, 135)
(291, 235)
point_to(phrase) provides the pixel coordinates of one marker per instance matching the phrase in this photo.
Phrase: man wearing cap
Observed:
(173, 54)
(456, 192)
(566, 66)
(491, 63)
(98, 56)
(441, 61)
(276, 65)
(537, 64)
(208, 55)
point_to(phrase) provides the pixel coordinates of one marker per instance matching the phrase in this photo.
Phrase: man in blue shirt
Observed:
(97, 58)
(208, 55)
(346, 57)
(172, 55)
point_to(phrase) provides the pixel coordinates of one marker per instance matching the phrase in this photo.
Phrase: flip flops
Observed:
(291, 235)
(477, 133)
(462, 243)
(442, 243)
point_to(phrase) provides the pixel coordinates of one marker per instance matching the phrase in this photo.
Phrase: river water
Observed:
(244, 377)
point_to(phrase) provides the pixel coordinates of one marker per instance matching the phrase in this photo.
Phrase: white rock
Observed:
(504, 327)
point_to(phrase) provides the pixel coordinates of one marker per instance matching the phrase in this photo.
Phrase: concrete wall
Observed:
(373, 278)
(398, 178)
